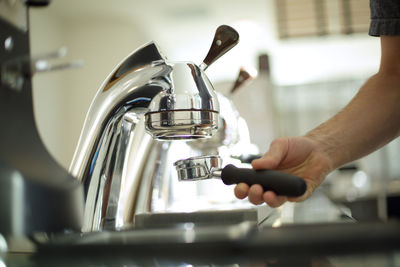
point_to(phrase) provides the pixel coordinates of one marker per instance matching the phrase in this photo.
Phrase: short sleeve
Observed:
(385, 17)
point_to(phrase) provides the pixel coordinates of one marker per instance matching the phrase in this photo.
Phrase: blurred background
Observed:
(318, 54)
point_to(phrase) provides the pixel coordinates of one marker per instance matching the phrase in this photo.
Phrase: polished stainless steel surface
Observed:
(189, 109)
(198, 168)
(146, 97)
(228, 132)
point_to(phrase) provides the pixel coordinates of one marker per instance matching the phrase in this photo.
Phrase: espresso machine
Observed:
(146, 98)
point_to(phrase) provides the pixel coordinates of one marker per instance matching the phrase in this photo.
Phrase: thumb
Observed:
(274, 156)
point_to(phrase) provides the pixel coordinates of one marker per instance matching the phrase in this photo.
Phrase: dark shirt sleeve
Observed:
(385, 17)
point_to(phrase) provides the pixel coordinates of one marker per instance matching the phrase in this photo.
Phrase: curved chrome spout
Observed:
(131, 85)
(171, 100)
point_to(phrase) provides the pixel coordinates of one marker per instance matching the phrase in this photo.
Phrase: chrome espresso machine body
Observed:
(145, 98)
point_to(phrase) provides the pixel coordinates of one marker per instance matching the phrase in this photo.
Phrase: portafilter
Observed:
(206, 167)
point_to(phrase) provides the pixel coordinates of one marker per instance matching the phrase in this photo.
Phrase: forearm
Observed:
(369, 121)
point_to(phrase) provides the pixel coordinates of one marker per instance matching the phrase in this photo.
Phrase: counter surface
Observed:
(319, 240)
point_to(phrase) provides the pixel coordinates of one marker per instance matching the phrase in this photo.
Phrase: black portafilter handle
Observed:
(279, 182)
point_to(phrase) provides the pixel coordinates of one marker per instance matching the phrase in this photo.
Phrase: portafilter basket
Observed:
(206, 167)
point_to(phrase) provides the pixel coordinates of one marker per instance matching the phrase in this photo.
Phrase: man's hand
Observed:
(299, 156)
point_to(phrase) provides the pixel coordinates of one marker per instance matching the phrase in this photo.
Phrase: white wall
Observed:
(62, 98)
(48, 89)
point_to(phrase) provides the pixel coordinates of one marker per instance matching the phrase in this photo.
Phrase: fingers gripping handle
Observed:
(279, 182)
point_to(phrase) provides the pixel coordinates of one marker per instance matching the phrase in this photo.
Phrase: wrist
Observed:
(327, 147)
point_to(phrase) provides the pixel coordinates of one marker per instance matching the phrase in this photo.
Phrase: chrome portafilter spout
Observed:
(206, 167)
